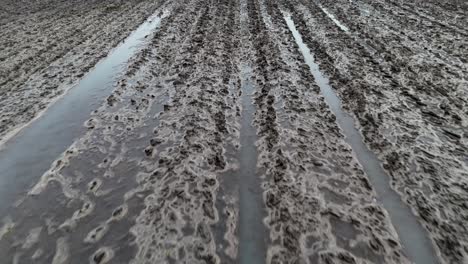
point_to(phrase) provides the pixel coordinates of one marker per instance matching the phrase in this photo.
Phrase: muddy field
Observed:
(242, 131)
(47, 45)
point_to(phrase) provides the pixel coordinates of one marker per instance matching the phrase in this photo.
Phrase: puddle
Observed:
(252, 232)
(413, 237)
(333, 18)
(27, 155)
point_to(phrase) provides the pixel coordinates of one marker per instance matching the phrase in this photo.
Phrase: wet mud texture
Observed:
(154, 178)
(321, 207)
(401, 70)
(46, 46)
(141, 185)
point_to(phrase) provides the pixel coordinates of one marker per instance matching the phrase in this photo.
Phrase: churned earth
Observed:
(46, 46)
(401, 71)
(218, 143)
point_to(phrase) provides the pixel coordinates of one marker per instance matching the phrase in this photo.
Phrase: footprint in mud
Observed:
(119, 212)
(94, 185)
(91, 123)
(96, 234)
(102, 255)
(87, 208)
(111, 100)
(149, 151)
(155, 141)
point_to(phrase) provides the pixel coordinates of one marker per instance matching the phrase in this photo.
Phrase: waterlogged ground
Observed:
(223, 140)
(48, 45)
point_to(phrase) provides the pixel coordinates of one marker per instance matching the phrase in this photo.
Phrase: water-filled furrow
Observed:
(29, 154)
(252, 232)
(414, 239)
(333, 18)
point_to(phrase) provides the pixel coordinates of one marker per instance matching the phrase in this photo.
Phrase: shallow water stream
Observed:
(27, 155)
(252, 232)
(413, 236)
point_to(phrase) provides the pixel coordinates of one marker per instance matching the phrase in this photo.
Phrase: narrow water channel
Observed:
(252, 231)
(28, 154)
(413, 237)
(332, 17)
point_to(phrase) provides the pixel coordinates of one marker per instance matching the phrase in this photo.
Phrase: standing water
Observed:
(252, 232)
(412, 235)
(27, 155)
(333, 18)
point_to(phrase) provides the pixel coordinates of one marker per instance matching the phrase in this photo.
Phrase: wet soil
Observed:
(401, 71)
(47, 46)
(217, 144)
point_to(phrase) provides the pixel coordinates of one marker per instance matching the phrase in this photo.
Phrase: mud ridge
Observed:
(417, 138)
